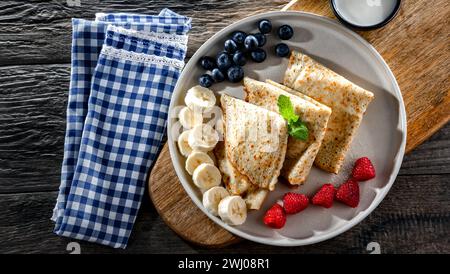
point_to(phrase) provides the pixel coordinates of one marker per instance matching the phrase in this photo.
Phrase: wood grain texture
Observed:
(32, 125)
(431, 157)
(415, 45)
(40, 32)
(409, 220)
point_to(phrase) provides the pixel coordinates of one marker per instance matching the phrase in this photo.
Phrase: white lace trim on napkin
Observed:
(141, 57)
(162, 38)
(154, 36)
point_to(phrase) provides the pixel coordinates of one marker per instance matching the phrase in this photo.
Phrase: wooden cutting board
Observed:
(415, 45)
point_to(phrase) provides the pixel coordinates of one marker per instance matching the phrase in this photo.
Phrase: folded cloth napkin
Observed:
(115, 121)
(88, 38)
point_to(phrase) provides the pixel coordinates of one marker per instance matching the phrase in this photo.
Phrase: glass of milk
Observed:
(365, 14)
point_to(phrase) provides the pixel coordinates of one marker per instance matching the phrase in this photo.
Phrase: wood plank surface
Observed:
(33, 103)
(34, 78)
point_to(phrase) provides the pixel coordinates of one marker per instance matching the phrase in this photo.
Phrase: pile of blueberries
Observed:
(229, 62)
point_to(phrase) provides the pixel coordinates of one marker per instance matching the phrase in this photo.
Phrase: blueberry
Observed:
(223, 61)
(205, 80)
(217, 75)
(230, 46)
(239, 58)
(250, 42)
(282, 50)
(207, 62)
(238, 37)
(235, 74)
(261, 39)
(285, 32)
(264, 26)
(258, 55)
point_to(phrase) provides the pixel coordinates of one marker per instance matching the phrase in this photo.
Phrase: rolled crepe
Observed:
(347, 101)
(255, 141)
(300, 154)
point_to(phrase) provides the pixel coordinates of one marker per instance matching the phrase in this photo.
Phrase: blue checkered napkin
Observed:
(123, 130)
(87, 40)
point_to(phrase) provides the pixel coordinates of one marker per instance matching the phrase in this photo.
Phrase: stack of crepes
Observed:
(124, 69)
(257, 148)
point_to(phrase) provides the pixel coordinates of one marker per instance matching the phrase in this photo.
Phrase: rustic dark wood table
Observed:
(35, 38)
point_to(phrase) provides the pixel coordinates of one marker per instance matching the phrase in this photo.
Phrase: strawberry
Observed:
(294, 202)
(325, 196)
(363, 169)
(348, 193)
(275, 217)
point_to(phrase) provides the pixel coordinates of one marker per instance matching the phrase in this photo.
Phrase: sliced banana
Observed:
(195, 159)
(206, 176)
(183, 144)
(203, 138)
(190, 117)
(233, 210)
(200, 97)
(212, 198)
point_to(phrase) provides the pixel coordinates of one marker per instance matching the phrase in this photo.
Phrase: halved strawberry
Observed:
(363, 169)
(325, 196)
(348, 193)
(294, 202)
(275, 217)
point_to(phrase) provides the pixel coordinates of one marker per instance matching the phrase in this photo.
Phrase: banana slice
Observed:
(203, 138)
(190, 118)
(206, 176)
(195, 159)
(200, 97)
(212, 198)
(183, 144)
(233, 210)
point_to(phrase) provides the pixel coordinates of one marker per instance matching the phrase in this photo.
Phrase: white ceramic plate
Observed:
(381, 136)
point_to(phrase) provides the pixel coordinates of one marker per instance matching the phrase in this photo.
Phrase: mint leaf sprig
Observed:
(296, 128)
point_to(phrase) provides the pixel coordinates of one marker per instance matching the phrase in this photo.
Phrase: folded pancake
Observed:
(347, 101)
(255, 141)
(300, 154)
(237, 183)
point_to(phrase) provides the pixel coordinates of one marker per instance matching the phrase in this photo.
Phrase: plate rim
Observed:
(402, 126)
